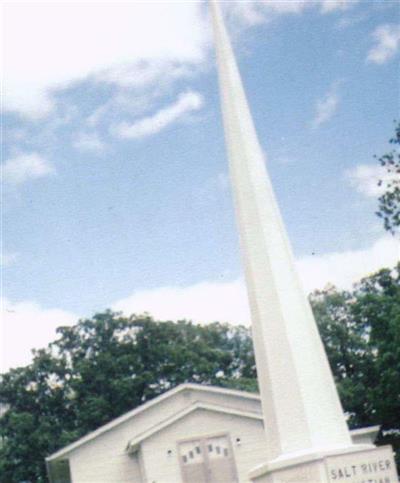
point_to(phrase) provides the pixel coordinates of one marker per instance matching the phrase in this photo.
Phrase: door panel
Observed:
(220, 460)
(193, 462)
(208, 460)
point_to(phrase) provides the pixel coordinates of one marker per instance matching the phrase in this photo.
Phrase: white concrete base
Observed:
(355, 464)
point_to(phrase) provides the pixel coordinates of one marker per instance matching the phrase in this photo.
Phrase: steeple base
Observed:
(354, 464)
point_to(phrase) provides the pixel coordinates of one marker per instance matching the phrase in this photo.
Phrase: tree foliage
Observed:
(361, 333)
(389, 201)
(107, 365)
(101, 368)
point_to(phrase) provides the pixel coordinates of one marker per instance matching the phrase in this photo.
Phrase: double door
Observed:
(208, 460)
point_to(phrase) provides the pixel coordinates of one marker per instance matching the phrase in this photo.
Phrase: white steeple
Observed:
(301, 406)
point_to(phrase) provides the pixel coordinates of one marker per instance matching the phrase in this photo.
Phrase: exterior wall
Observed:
(104, 464)
(362, 438)
(104, 458)
(161, 467)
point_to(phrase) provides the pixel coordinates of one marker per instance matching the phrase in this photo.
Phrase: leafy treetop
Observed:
(389, 201)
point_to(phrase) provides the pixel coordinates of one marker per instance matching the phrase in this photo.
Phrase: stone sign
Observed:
(374, 466)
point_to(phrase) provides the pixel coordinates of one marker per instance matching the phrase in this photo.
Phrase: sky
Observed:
(115, 183)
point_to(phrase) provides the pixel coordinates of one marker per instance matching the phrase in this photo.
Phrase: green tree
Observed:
(107, 365)
(361, 333)
(348, 351)
(389, 201)
(377, 308)
(103, 367)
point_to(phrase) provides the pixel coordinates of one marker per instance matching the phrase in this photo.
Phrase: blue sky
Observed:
(115, 186)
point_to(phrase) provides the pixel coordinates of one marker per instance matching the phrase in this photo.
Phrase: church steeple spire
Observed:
(301, 406)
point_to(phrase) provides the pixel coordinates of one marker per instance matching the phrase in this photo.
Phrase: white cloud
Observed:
(364, 178)
(387, 43)
(121, 43)
(25, 166)
(327, 106)
(91, 142)
(129, 43)
(203, 302)
(186, 103)
(256, 12)
(144, 73)
(328, 6)
(344, 268)
(227, 301)
(126, 101)
(351, 20)
(7, 259)
(25, 326)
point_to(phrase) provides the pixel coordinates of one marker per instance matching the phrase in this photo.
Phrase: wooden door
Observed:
(221, 463)
(193, 462)
(208, 460)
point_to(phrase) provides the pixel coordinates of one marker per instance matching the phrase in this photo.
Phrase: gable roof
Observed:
(157, 400)
(134, 443)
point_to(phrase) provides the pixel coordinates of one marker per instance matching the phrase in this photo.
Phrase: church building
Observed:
(192, 433)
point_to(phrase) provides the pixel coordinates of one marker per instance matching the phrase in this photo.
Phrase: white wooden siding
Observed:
(104, 459)
(163, 467)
